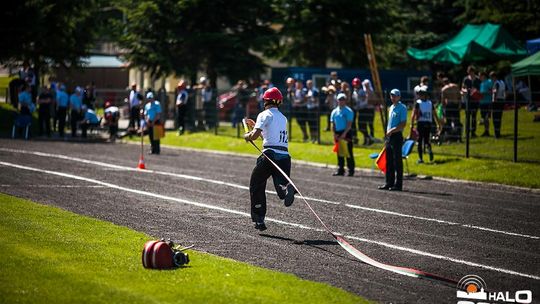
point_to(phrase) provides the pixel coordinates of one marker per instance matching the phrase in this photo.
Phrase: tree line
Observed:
(228, 37)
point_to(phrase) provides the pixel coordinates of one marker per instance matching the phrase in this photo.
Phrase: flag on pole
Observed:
(381, 160)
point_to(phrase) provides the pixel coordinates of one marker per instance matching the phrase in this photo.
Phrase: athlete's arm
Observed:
(253, 134)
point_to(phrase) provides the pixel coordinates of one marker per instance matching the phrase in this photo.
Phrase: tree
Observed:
(314, 32)
(47, 32)
(186, 36)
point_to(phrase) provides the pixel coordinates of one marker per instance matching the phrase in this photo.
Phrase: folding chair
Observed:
(24, 122)
(406, 150)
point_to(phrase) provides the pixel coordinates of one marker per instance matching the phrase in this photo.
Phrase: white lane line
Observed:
(50, 186)
(245, 214)
(237, 186)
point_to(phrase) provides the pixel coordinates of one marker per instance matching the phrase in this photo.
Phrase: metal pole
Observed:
(515, 118)
(467, 126)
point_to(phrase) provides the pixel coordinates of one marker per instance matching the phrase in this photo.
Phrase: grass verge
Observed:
(53, 256)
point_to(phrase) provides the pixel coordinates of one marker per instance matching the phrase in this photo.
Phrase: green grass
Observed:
(53, 256)
(490, 161)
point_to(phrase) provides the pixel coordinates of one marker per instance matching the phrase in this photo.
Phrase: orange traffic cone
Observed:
(141, 163)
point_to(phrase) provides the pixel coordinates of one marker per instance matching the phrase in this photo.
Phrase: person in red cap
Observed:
(271, 124)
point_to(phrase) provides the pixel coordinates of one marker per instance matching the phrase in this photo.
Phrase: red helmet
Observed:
(356, 82)
(274, 95)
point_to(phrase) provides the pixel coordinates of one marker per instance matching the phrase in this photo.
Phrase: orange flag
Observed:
(381, 160)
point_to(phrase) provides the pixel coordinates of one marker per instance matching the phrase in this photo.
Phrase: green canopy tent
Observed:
(528, 66)
(474, 43)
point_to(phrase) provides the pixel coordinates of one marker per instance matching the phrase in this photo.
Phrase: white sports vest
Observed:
(274, 129)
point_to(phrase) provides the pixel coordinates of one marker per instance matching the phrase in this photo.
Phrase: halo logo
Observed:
(474, 289)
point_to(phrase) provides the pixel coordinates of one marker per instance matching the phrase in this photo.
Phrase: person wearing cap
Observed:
(90, 119)
(75, 104)
(152, 116)
(397, 119)
(62, 103)
(342, 118)
(135, 99)
(181, 106)
(271, 124)
(423, 115)
(112, 116)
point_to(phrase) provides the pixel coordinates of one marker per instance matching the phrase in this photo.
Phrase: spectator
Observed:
(112, 116)
(499, 98)
(470, 89)
(371, 101)
(299, 106)
(397, 119)
(27, 74)
(62, 102)
(290, 83)
(330, 103)
(265, 86)
(437, 87)
(89, 96)
(423, 85)
(486, 86)
(26, 105)
(181, 106)
(342, 118)
(152, 115)
(424, 114)
(334, 80)
(450, 96)
(359, 100)
(209, 103)
(525, 95)
(135, 100)
(312, 98)
(75, 104)
(44, 102)
(89, 119)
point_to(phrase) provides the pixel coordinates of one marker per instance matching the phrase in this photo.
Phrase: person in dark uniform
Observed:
(397, 119)
(271, 124)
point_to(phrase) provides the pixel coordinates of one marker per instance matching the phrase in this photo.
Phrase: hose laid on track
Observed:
(411, 272)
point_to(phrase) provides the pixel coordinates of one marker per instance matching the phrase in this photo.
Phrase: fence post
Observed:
(515, 118)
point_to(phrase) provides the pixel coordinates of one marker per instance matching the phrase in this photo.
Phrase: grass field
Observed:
(490, 159)
(53, 256)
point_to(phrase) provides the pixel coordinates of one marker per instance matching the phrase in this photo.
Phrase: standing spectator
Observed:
(290, 83)
(209, 103)
(438, 84)
(75, 104)
(27, 74)
(424, 114)
(199, 103)
(44, 102)
(181, 106)
(359, 100)
(312, 98)
(299, 106)
(62, 103)
(330, 103)
(152, 115)
(135, 99)
(450, 96)
(334, 80)
(423, 85)
(370, 99)
(486, 86)
(342, 118)
(397, 119)
(112, 116)
(89, 96)
(499, 98)
(271, 124)
(470, 89)
(26, 105)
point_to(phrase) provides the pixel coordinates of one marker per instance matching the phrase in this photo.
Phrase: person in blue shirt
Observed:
(90, 119)
(62, 102)
(397, 119)
(485, 103)
(25, 100)
(342, 118)
(152, 116)
(75, 103)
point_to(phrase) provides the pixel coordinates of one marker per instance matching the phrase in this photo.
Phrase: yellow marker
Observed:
(244, 122)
